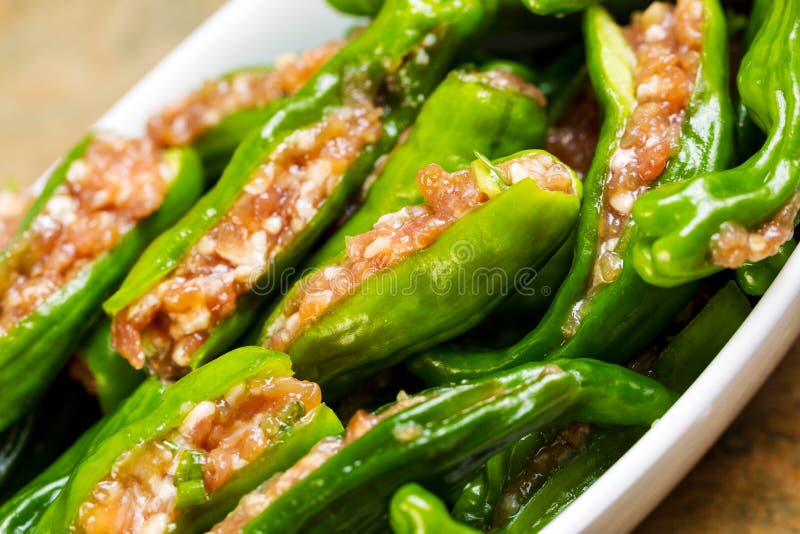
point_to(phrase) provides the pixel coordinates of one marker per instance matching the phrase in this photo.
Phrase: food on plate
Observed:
(450, 268)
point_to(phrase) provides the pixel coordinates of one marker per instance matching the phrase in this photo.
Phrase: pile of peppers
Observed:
(493, 351)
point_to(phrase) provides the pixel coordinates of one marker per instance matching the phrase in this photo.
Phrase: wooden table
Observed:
(64, 63)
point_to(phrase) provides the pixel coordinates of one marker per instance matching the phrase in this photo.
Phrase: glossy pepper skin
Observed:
(114, 379)
(414, 510)
(622, 316)
(681, 362)
(464, 115)
(749, 137)
(209, 383)
(446, 433)
(678, 223)
(564, 7)
(424, 299)
(34, 349)
(379, 54)
(755, 278)
(43, 434)
(22, 513)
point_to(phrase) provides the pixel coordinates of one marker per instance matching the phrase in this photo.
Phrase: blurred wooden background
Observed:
(64, 63)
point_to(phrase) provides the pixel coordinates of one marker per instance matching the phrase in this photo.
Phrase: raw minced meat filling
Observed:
(140, 493)
(182, 122)
(171, 321)
(115, 184)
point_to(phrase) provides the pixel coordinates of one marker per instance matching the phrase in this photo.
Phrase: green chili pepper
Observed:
(678, 223)
(37, 439)
(403, 54)
(442, 290)
(622, 316)
(32, 351)
(749, 137)
(602, 450)
(560, 82)
(211, 382)
(114, 379)
(684, 358)
(413, 510)
(564, 7)
(22, 513)
(755, 278)
(475, 503)
(444, 431)
(491, 119)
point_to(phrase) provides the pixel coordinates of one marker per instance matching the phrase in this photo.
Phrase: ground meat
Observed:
(573, 139)
(255, 502)
(398, 235)
(667, 42)
(181, 123)
(140, 492)
(115, 184)
(170, 322)
(735, 244)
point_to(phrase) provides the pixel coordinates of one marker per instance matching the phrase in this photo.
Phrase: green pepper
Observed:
(614, 319)
(413, 510)
(492, 118)
(561, 82)
(357, 7)
(37, 439)
(603, 448)
(680, 224)
(510, 476)
(113, 378)
(693, 348)
(755, 278)
(32, 351)
(749, 137)
(441, 290)
(23, 511)
(224, 377)
(443, 432)
(681, 362)
(539, 7)
(394, 63)
(564, 7)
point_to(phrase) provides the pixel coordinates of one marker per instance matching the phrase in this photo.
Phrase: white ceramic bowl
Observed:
(248, 32)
